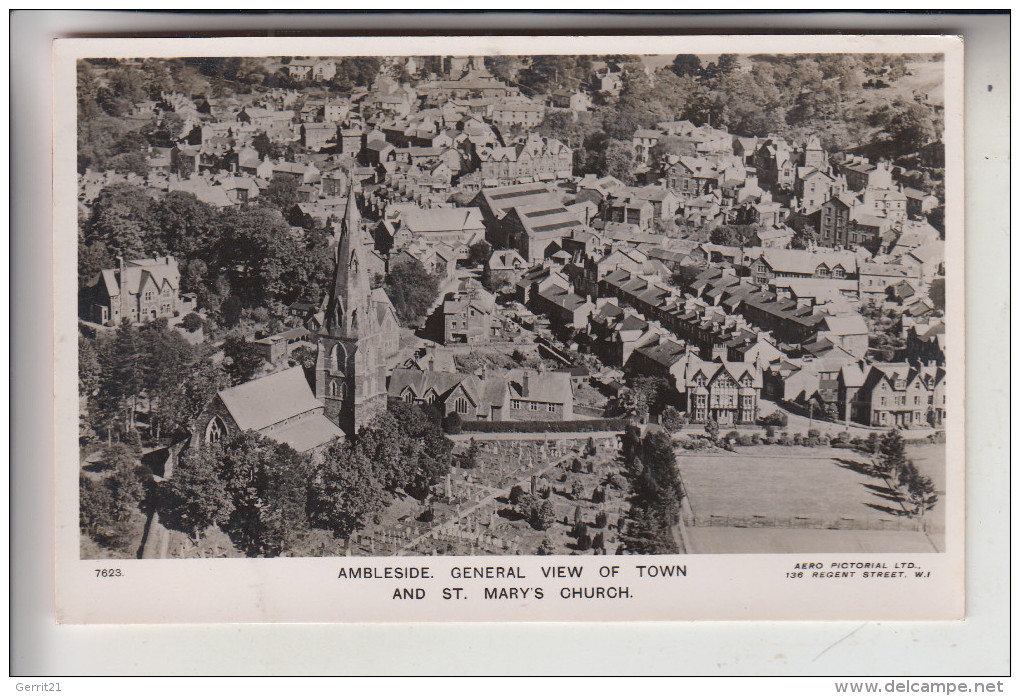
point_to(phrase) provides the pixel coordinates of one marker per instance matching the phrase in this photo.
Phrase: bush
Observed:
(192, 322)
(600, 520)
(732, 435)
(776, 418)
(784, 439)
(453, 424)
(516, 493)
(745, 441)
(598, 496)
(671, 419)
(813, 432)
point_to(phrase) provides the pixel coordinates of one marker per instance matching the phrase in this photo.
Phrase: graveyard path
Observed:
(449, 524)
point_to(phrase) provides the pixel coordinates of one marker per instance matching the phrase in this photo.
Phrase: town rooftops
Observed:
(420, 220)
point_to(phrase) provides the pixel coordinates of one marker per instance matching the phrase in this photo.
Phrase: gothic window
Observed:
(331, 389)
(215, 431)
(461, 405)
(408, 396)
(335, 358)
(354, 262)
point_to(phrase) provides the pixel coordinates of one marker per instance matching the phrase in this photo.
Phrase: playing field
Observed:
(786, 482)
(766, 540)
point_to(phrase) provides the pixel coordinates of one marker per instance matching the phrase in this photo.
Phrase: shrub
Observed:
(600, 520)
(784, 439)
(453, 424)
(732, 435)
(577, 490)
(813, 432)
(598, 496)
(777, 418)
(755, 439)
(770, 431)
(671, 419)
(516, 493)
(584, 542)
(192, 322)
(745, 441)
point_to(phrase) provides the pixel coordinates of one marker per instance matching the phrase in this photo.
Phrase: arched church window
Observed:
(215, 431)
(331, 390)
(354, 261)
(335, 361)
(338, 314)
(354, 320)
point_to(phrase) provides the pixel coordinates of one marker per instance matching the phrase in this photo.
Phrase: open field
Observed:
(779, 485)
(772, 499)
(772, 540)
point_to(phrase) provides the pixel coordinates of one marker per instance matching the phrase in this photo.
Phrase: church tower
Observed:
(350, 369)
(814, 155)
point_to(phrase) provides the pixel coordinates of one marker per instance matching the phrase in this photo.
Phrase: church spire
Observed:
(349, 297)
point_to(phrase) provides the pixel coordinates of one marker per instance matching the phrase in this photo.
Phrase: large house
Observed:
(724, 392)
(900, 395)
(280, 406)
(139, 290)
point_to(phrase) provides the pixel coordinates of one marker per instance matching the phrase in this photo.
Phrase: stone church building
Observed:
(359, 333)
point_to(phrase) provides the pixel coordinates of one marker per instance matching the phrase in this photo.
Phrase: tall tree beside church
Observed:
(195, 497)
(266, 483)
(344, 490)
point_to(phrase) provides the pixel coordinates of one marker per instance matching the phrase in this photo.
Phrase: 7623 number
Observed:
(108, 573)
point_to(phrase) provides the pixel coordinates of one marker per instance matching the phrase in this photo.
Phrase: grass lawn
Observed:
(785, 482)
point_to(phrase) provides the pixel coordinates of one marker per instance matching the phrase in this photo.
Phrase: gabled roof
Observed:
(268, 400)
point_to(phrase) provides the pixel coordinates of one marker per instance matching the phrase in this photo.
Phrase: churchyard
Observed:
(484, 506)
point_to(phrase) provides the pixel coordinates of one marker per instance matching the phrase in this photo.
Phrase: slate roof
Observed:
(268, 400)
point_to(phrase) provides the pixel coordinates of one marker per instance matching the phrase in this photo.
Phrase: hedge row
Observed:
(574, 426)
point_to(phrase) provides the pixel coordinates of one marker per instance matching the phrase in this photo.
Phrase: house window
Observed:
(917, 401)
(534, 405)
(881, 401)
(551, 408)
(148, 296)
(408, 397)
(461, 405)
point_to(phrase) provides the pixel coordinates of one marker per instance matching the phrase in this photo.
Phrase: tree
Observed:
(910, 125)
(192, 322)
(344, 491)
(412, 290)
(542, 515)
(195, 497)
(479, 253)
(282, 193)
(245, 359)
(921, 493)
(546, 548)
(671, 419)
(577, 490)
(494, 281)
(108, 502)
(122, 219)
(267, 483)
(452, 423)
(186, 226)
(687, 65)
(263, 260)
(649, 393)
(892, 453)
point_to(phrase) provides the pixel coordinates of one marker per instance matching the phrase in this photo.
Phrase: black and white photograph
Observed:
(511, 305)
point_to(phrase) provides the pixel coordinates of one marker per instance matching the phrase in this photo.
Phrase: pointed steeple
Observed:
(349, 297)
